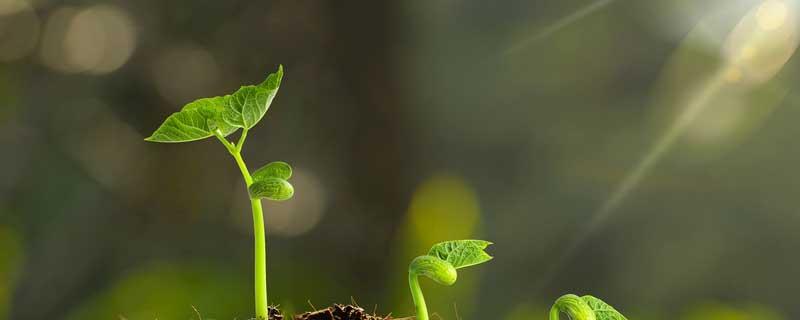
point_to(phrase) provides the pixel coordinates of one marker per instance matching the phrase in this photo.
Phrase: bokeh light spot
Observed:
(95, 40)
(52, 46)
(100, 39)
(772, 14)
(19, 33)
(763, 41)
(443, 207)
(301, 213)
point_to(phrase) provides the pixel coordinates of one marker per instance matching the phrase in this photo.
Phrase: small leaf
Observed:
(248, 105)
(432, 267)
(602, 310)
(271, 188)
(461, 253)
(277, 169)
(197, 120)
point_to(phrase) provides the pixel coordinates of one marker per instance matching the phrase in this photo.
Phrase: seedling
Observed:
(440, 264)
(584, 308)
(220, 117)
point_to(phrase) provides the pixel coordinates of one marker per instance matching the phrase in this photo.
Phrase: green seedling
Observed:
(440, 264)
(584, 308)
(220, 117)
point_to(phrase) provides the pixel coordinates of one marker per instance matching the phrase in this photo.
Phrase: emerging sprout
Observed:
(440, 264)
(220, 117)
(584, 308)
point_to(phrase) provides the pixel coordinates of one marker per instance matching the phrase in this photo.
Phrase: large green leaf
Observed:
(197, 120)
(248, 105)
(212, 109)
(277, 169)
(602, 310)
(461, 253)
(275, 189)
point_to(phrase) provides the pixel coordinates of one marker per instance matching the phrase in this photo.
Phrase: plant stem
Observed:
(260, 247)
(573, 306)
(416, 293)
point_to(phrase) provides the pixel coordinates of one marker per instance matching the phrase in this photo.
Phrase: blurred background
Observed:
(641, 151)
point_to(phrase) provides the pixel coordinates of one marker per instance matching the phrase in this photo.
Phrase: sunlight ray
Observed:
(754, 52)
(558, 25)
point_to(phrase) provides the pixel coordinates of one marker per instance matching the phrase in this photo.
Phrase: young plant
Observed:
(584, 308)
(440, 264)
(219, 117)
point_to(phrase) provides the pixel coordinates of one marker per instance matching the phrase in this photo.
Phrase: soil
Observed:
(339, 312)
(274, 314)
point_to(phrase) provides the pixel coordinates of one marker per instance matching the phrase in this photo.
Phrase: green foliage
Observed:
(270, 182)
(275, 189)
(584, 308)
(437, 269)
(461, 253)
(206, 117)
(249, 104)
(440, 264)
(197, 120)
(277, 169)
(219, 117)
(602, 310)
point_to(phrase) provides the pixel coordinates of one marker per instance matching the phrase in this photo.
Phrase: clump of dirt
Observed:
(274, 314)
(340, 312)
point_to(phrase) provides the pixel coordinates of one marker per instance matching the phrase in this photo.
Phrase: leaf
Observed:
(432, 267)
(273, 81)
(248, 105)
(197, 120)
(602, 310)
(461, 253)
(277, 169)
(212, 109)
(275, 189)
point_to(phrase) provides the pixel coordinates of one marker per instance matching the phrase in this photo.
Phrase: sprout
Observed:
(220, 117)
(584, 308)
(440, 264)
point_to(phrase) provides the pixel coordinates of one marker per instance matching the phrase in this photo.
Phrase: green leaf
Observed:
(197, 120)
(212, 109)
(461, 253)
(432, 267)
(273, 81)
(277, 169)
(248, 105)
(275, 189)
(602, 310)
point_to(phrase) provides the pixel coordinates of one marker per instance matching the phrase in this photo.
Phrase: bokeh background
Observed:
(642, 151)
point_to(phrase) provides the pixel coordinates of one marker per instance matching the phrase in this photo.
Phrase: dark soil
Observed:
(340, 312)
(274, 314)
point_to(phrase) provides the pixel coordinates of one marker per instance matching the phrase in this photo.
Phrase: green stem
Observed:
(416, 293)
(241, 140)
(260, 247)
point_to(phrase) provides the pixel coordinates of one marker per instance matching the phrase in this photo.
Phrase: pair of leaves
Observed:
(201, 118)
(444, 258)
(584, 308)
(271, 182)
